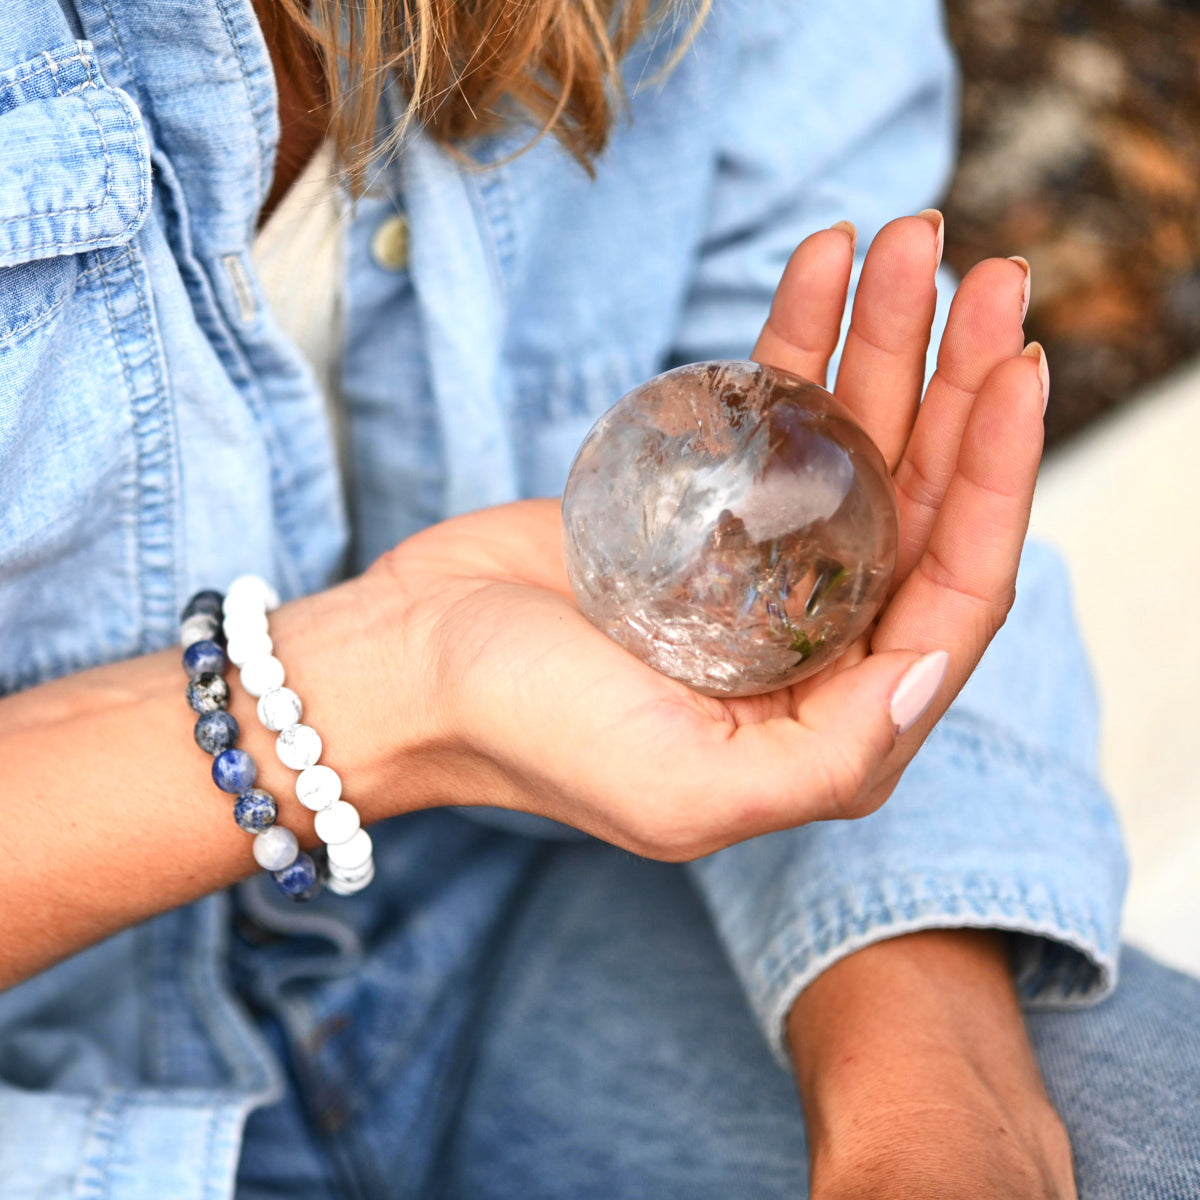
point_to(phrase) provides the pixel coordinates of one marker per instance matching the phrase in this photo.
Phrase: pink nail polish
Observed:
(935, 218)
(1036, 351)
(1016, 258)
(917, 688)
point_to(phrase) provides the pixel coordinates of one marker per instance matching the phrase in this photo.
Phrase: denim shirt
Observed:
(158, 435)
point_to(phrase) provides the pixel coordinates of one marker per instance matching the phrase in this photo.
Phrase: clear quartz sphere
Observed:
(731, 525)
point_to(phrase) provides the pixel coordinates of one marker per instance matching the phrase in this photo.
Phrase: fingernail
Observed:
(936, 219)
(1034, 350)
(916, 689)
(1028, 282)
(847, 227)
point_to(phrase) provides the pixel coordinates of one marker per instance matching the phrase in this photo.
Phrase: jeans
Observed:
(586, 1039)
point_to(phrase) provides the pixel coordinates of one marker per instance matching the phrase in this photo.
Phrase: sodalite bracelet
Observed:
(349, 852)
(275, 848)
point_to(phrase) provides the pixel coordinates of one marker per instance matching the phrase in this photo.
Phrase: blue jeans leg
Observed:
(1125, 1076)
(618, 1061)
(560, 1023)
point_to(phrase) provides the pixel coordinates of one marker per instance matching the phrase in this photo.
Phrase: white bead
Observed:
(318, 787)
(241, 650)
(366, 871)
(338, 823)
(278, 707)
(241, 622)
(347, 887)
(247, 589)
(261, 674)
(275, 848)
(354, 852)
(363, 874)
(298, 746)
(197, 628)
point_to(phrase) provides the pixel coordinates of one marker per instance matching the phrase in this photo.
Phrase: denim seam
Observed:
(794, 968)
(264, 183)
(81, 91)
(494, 191)
(217, 1108)
(107, 198)
(151, 424)
(53, 65)
(117, 39)
(43, 315)
(158, 602)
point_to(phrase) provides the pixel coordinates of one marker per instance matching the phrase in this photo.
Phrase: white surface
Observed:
(1123, 505)
(263, 673)
(298, 746)
(279, 707)
(318, 787)
(355, 852)
(337, 824)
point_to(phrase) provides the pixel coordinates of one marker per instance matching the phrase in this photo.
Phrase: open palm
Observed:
(545, 714)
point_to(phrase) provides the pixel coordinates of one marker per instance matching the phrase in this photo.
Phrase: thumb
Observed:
(858, 713)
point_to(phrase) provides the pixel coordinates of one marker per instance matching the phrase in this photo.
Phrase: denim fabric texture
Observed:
(159, 435)
(598, 1046)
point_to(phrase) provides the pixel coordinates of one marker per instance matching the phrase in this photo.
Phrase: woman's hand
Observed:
(524, 704)
(911, 1055)
(964, 459)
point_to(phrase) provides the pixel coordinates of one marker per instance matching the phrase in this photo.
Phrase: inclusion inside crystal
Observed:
(730, 525)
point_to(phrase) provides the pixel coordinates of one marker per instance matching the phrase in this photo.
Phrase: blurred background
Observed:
(1081, 151)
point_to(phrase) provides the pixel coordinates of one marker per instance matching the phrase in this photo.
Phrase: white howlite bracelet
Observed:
(349, 853)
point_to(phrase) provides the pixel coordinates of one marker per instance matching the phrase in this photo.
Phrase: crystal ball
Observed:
(731, 525)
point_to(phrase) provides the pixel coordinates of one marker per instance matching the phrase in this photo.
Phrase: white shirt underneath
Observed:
(298, 255)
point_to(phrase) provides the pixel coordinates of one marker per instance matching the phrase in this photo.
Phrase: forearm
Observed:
(911, 1055)
(109, 811)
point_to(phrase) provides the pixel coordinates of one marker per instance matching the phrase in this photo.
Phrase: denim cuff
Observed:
(982, 832)
(1063, 958)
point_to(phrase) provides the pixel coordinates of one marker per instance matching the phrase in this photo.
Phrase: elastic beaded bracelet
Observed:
(350, 862)
(275, 848)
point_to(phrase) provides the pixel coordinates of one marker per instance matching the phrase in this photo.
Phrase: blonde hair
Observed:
(467, 67)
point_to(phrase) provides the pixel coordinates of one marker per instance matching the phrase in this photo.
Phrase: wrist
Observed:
(347, 656)
(915, 1047)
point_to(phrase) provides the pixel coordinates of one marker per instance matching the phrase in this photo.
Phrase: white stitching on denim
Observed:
(43, 315)
(110, 172)
(52, 68)
(264, 183)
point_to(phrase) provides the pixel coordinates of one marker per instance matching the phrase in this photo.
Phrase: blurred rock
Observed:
(1081, 151)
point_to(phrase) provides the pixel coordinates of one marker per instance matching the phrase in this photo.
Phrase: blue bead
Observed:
(234, 771)
(203, 658)
(298, 880)
(255, 810)
(207, 692)
(209, 602)
(216, 731)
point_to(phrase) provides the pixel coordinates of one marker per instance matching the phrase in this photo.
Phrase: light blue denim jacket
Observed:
(159, 435)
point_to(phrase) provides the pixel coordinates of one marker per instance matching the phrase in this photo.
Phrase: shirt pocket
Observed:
(74, 332)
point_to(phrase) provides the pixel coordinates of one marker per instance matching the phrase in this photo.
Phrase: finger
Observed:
(883, 363)
(962, 587)
(805, 322)
(983, 329)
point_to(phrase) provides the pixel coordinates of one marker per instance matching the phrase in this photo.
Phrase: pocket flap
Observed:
(74, 159)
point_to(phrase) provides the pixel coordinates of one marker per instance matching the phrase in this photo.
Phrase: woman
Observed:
(507, 1010)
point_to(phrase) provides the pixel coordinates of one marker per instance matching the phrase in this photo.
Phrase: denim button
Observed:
(389, 246)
